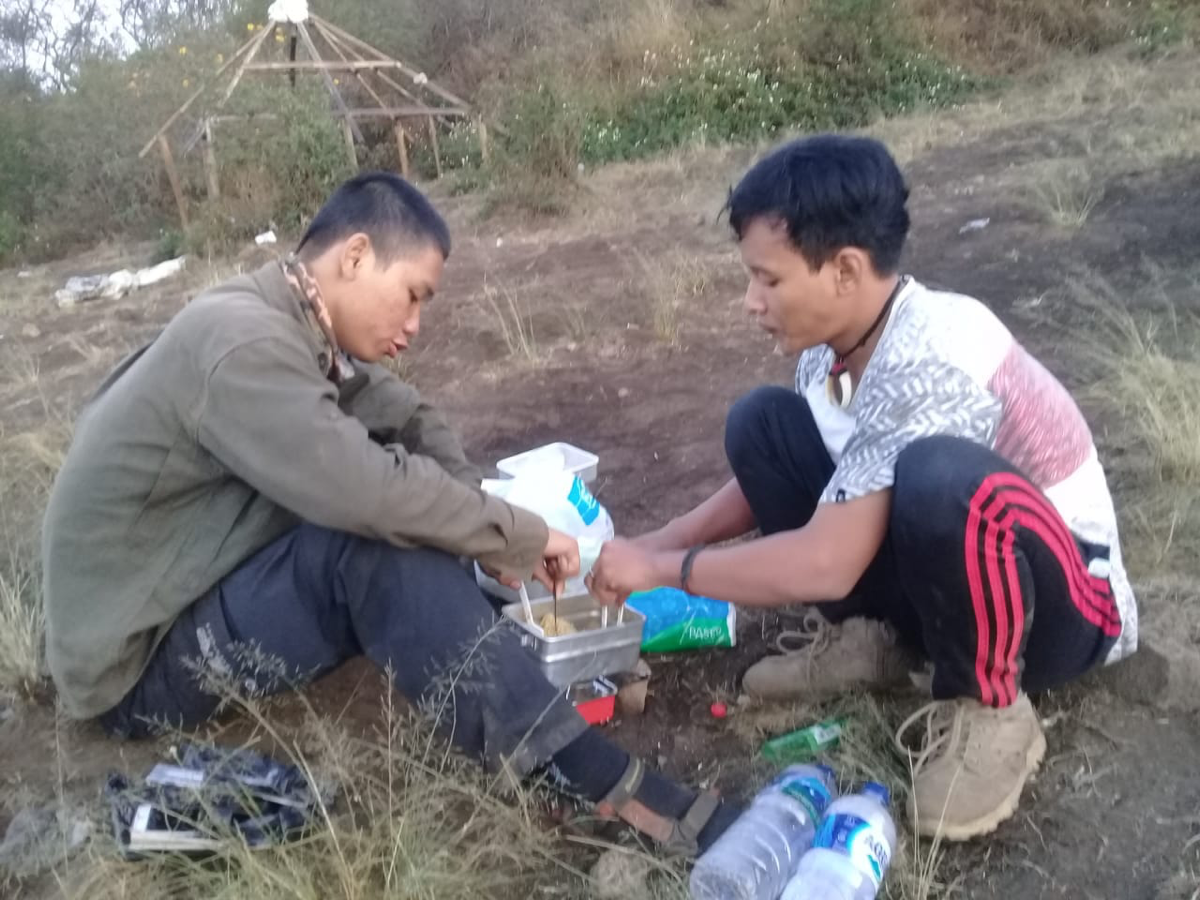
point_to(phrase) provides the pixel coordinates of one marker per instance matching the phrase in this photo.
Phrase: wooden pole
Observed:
(402, 147)
(330, 86)
(237, 76)
(342, 56)
(196, 93)
(411, 73)
(485, 150)
(210, 163)
(173, 177)
(433, 142)
(348, 133)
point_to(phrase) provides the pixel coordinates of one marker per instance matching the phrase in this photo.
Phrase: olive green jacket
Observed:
(214, 440)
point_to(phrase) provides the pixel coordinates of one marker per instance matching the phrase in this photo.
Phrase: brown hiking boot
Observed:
(974, 761)
(823, 660)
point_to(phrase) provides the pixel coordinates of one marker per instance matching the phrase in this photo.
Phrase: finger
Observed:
(542, 576)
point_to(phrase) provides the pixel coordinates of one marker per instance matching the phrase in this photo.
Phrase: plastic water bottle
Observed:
(758, 853)
(851, 851)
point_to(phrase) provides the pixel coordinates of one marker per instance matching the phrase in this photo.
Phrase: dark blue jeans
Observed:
(978, 570)
(315, 598)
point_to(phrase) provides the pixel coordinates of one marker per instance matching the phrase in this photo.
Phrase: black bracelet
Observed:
(685, 569)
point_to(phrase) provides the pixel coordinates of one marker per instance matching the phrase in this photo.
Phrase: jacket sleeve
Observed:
(269, 417)
(395, 412)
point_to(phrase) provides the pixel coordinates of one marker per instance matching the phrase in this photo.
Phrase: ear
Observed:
(850, 268)
(356, 252)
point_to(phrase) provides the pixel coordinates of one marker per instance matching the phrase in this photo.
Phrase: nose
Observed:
(754, 302)
(413, 323)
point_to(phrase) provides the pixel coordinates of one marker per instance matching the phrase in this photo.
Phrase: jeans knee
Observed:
(748, 420)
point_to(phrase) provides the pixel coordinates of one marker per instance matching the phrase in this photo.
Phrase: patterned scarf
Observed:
(298, 276)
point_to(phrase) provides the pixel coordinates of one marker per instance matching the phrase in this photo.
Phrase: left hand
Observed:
(623, 568)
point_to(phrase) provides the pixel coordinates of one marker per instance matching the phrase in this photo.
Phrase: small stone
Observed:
(624, 392)
(31, 331)
(622, 875)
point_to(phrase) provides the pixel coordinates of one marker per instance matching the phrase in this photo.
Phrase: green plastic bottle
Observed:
(805, 744)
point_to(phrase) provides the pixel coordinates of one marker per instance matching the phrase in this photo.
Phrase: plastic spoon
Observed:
(528, 607)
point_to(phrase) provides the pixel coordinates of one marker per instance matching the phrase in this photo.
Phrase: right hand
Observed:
(560, 561)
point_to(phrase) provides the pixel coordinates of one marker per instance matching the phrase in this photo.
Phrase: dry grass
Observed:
(1149, 357)
(412, 821)
(22, 630)
(672, 280)
(513, 321)
(1065, 194)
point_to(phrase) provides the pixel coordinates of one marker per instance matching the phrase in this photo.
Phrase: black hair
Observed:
(383, 206)
(831, 192)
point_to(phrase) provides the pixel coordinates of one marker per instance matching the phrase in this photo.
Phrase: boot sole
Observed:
(989, 822)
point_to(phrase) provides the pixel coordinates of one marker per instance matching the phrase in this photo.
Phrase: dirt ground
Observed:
(1113, 812)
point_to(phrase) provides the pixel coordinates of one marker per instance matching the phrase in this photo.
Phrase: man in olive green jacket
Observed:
(254, 486)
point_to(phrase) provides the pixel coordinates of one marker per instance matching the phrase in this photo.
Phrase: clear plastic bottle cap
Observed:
(878, 791)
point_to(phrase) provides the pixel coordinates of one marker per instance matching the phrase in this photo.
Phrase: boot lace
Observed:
(813, 636)
(938, 718)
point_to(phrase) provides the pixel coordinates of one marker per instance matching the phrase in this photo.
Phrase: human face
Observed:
(798, 306)
(376, 308)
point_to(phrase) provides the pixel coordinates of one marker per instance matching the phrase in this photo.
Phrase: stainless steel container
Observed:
(592, 651)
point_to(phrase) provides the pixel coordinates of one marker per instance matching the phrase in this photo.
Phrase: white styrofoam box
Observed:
(555, 457)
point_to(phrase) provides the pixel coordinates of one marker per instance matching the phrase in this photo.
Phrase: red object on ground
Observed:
(596, 700)
(719, 710)
(598, 711)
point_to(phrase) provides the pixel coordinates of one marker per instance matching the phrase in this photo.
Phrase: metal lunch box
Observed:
(592, 651)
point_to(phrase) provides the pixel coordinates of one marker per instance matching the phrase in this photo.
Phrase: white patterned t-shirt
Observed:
(946, 365)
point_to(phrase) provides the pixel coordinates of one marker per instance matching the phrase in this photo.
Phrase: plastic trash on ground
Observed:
(208, 799)
(676, 620)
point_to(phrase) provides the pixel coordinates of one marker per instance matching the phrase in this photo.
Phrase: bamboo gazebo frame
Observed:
(380, 76)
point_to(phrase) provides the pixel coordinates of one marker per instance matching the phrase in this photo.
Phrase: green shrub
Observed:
(844, 62)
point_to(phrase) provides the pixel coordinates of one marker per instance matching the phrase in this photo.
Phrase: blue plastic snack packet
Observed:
(679, 621)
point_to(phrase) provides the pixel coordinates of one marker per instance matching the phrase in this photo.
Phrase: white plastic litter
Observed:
(975, 225)
(295, 11)
(161, 272)
(81, 288)
(420, 78)
(267, 237)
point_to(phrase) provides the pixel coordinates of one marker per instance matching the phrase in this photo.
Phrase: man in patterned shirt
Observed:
(928, 486)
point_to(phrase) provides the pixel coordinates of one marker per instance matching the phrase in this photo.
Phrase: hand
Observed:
(560, 561)
(623, 568)
(509, 581)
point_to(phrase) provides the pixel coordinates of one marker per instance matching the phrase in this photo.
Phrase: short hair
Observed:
(831, 192)
(387, 209)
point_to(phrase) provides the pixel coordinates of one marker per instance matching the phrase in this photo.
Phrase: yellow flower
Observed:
(183, 51)
(337, 81)
(187, 82)
(249, 26)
